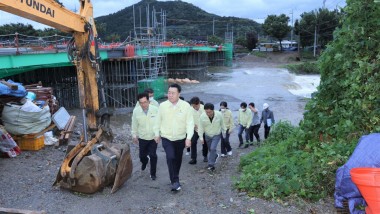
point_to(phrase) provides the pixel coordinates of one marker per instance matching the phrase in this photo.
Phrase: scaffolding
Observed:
(151, 65)
(229, 45)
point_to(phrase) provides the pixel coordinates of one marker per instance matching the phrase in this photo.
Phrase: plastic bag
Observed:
(8, 146)
(49, 139)
(269, 122)
(29, 106)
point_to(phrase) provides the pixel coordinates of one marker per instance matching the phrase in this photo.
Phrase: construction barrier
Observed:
(129, 51)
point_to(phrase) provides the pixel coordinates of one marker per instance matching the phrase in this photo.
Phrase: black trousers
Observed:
(194, 142)
(225, 145)
(254, 130)
(148, 148)
(266, 131)
(174, 152)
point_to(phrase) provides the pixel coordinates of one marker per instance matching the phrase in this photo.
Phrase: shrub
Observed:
(284, 166)
(304, 161)
(304, 68)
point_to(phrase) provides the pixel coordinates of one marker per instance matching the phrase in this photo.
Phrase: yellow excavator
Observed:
(95, 162)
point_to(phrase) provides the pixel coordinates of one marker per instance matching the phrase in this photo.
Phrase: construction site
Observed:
(144, 60)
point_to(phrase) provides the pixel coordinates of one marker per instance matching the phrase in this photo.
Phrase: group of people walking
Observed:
(179, 124)
(250, 123)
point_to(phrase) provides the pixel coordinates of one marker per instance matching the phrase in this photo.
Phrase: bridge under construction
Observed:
(145, 60)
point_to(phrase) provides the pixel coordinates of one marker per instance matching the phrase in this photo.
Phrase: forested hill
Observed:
(184, 21)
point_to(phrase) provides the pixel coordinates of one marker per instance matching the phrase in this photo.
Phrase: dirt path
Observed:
(26, 183)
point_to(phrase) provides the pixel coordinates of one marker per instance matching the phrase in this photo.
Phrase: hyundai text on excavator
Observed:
(95, 162)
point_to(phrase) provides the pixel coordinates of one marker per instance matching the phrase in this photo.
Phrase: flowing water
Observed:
(285, 93)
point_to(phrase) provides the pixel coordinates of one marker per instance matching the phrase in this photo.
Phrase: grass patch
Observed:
(260, 54)
(304, 68)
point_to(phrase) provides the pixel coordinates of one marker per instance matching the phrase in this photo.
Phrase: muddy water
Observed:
(285, 93)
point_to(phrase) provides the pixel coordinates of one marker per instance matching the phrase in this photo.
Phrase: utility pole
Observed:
(315, 39)
(291, 34)
(213, 26)
(315, 32)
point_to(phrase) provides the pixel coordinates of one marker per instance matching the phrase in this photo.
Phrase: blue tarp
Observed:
(5, 90)
(366, 154)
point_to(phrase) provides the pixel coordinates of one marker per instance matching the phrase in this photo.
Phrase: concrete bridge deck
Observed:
(15, 61)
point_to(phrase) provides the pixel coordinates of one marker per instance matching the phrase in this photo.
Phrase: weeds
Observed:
(304, 68)
(260, 54)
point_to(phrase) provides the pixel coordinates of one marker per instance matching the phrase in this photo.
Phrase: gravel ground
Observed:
(26, 183)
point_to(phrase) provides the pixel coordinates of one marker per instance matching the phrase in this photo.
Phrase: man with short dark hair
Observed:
(211, 123)
(244, 120)
(175, 126)
(255, 125)
(225, 147)
(143, 124)
(197, 111)
(151, 99)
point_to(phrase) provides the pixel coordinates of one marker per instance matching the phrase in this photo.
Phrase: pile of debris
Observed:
(27, 118)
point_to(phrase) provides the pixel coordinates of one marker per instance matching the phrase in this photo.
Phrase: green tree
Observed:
(113, 37)
(323, 22)
(18, 28)
(252, 40)
(101, 28)
(241, 40)
(215, 40)
(347, 104)
(277, 27)
(346, 107)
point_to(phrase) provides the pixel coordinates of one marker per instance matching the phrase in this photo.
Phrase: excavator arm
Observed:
(92, 163)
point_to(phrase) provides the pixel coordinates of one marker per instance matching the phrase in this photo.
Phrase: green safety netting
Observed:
(159, 85)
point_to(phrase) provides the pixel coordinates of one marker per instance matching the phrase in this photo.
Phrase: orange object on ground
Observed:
(30, 142)
(368, 182)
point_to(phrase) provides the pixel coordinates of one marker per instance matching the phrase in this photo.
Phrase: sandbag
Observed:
(20, 122)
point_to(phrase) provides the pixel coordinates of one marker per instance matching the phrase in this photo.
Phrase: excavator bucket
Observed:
(87, 168)
(124, 169)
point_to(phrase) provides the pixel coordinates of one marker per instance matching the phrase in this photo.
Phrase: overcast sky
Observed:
(256, 10)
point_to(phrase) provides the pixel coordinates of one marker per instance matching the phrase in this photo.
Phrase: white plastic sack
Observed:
(19, 122)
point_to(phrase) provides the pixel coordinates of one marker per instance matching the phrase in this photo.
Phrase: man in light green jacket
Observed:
(175, 126)
(198, 110)
(211, 123)
(229, 123)
(244, 120)
(143, 123)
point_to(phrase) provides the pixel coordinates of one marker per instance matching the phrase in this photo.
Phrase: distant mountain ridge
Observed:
(184, 21)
